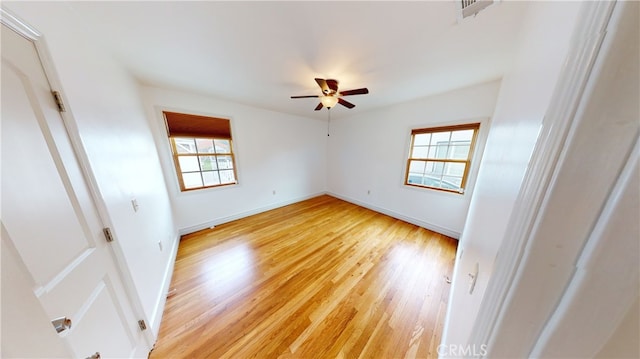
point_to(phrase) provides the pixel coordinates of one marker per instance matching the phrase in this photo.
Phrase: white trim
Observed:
(587, 39)
(73, 132)
(63, 274)
(19, 26)
(418, 222)
(214, 222)
(158, 310)
(626, 179)
(251, 212)
(603, 255)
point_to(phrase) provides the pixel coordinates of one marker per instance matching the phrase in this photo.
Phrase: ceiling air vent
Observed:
(468, 8)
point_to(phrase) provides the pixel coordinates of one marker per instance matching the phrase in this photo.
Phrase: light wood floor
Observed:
(318, 279)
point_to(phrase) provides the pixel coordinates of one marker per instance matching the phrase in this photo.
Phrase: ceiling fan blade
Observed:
(319, 107)
(345, 103)
(362, 91)
(333, 85)
(323, 85)
(308, 96)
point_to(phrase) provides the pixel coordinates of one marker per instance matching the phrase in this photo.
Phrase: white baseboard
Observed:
(156, 318)
(233, 217)
(418, 222)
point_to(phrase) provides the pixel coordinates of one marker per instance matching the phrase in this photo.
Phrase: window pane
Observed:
(459, 151)
(451, 182)
(454, 169)
(434, 169)
(416, 167)
(188, 163)
(419, 152)
(225, 162)
(208, 163)
(432, 181)
(211, 178)
(440, 138)
(432, 152)
(223, 146)
(185, 145)
(421, 139)
(227, 177)
(192, 180)
(441, 151)
(414, 179)
(204, 145)
(465, 135)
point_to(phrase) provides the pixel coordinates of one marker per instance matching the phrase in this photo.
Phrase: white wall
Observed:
(578, 273)
(524, 98)
(106, 107)
(274, 152)
(368, 152)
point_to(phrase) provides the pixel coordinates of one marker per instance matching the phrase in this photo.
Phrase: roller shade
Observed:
(185, 125)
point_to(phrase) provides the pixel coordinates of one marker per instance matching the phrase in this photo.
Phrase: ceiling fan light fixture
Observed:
(329, 101)
(331, 96)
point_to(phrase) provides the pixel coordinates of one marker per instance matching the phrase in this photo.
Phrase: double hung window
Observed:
(440, 157)
(202, 150)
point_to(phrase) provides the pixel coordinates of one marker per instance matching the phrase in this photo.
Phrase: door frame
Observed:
(37, 38)
(598, 23)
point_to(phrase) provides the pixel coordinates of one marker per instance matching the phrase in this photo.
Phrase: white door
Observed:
(55, 260)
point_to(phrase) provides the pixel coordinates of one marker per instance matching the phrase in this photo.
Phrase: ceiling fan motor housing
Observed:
(330, 95)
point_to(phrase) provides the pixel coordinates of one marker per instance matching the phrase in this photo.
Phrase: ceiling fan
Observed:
(331, 96)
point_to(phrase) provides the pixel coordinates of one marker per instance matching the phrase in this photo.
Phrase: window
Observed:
(202, 150)
(440, 157)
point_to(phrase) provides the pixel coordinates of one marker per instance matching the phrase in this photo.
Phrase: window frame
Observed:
(475, 126)
(176, 155)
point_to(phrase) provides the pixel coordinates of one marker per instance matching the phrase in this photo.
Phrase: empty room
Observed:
(306, 179)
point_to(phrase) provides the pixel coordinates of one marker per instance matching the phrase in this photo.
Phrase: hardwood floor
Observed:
(318, 279)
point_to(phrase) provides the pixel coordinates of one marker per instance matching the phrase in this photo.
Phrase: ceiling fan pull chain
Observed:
(329, 122)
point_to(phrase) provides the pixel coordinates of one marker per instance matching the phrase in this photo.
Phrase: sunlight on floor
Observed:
(230, 269)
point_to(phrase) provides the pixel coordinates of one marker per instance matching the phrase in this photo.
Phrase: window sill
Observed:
(435, 189)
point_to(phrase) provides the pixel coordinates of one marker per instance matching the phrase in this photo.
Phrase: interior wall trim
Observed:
(39, 40)
(586, 41)
(19, 26)
(602, 269)
(158, 311)
(251, 212)
(420, 223)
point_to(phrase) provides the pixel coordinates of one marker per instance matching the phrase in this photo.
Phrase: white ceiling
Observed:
(260, 53)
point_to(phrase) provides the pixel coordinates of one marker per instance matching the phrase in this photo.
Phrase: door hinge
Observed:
(58, 99)
(142, 324)
(107, 234)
